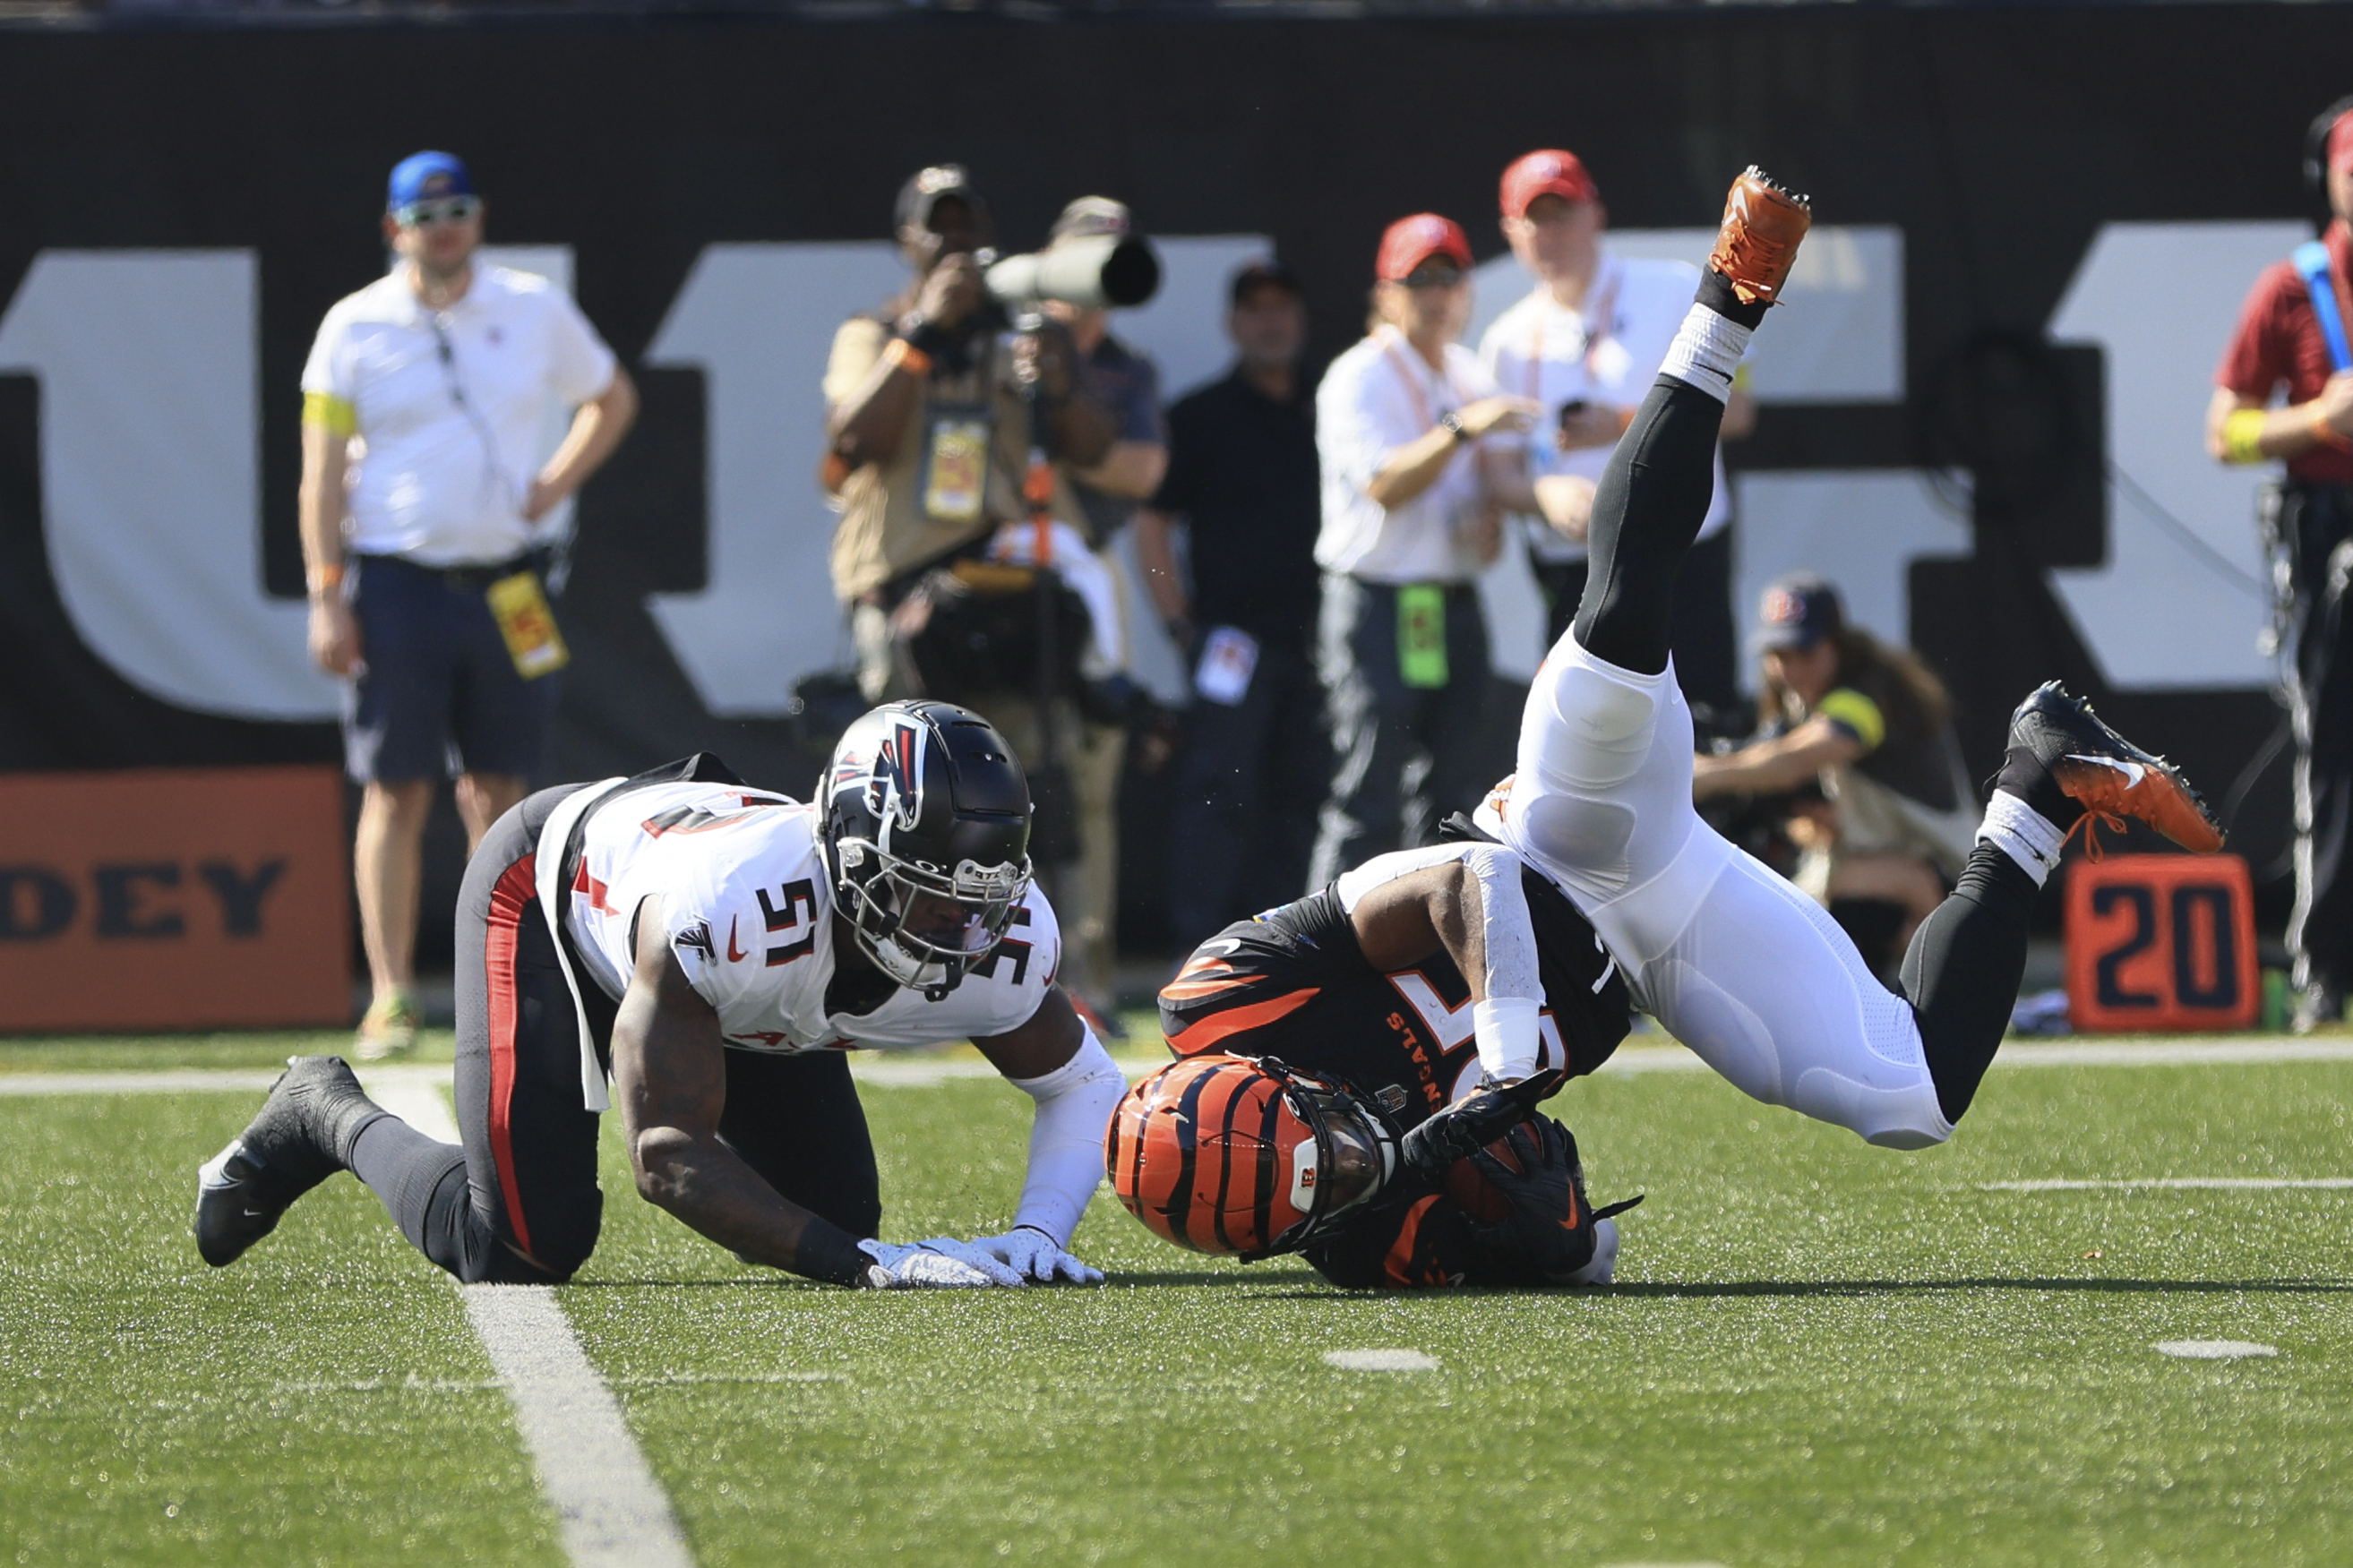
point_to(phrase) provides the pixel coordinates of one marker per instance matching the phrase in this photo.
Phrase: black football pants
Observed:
(2314, 525)
(519, 1202)
(1962, 971)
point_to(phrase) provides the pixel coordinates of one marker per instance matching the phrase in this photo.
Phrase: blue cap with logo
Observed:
(1797, 611)
(423, 175)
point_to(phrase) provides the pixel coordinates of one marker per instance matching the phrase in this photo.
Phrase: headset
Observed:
(2315, 159)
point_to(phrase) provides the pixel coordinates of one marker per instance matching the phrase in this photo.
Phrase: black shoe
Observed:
(2107, 773)
(303, 1134)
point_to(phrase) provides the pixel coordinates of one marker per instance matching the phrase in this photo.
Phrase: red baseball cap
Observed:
(1410, 241)
(2340, 144)
(1546, 173)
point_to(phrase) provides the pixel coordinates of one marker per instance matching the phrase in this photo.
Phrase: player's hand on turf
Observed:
(926, 1266)
(1452, 1134)
(1034, 1255)
(1551, 1228)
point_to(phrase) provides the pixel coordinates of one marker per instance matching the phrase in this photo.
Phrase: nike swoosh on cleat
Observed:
(2134, 772)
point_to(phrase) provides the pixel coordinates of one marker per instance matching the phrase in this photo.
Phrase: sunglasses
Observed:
(444, 209)
(1433, 278)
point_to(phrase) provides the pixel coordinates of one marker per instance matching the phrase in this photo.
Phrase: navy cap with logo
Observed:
(1797, 611)
(421, 176)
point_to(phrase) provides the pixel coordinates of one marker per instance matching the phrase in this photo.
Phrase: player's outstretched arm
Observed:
(670, 1068)
(1056, 1060)
(1465, 900)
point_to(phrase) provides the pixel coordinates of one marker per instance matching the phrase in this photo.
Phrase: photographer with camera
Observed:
(934, 404)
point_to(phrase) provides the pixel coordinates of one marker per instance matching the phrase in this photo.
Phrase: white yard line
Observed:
(613, 1511)
(2251, 1184)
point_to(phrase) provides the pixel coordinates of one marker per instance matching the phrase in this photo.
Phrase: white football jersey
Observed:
(748, 909)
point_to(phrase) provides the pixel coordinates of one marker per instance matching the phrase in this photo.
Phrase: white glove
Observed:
(901, 1268)
(1036, 1256)
(1604, 1255)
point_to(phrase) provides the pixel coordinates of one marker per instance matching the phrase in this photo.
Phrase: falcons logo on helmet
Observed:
(894, 788)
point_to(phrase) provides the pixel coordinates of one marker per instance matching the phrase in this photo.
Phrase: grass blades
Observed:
(1817, 1353)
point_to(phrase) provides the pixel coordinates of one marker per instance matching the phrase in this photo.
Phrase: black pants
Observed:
(1962, 971)
(1706, 647)
(1247, 786)
(1404, 758)
(519, 1204)
(2311, 534)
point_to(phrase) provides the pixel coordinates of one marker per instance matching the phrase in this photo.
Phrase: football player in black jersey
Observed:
(1326, 1100)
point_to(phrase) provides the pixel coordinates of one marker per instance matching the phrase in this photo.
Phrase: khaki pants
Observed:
(1086, 893)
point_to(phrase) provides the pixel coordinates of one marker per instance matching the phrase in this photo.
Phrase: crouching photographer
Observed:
(957, 418)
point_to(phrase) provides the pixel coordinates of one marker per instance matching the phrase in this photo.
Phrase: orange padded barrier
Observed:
(173, 898)
(2161, 942)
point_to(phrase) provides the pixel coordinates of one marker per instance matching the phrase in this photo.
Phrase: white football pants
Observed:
(1734, 962)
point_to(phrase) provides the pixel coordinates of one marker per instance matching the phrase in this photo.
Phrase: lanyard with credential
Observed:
(1595, 336)
(1413, 382)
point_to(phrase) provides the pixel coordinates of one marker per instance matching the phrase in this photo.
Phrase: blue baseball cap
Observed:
(1797, 611)
(423, 175)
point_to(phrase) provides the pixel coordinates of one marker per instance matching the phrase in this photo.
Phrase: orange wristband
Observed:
(326, 579)
(906, 356)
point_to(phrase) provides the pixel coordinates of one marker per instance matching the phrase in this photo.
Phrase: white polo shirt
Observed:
(1609, 352)
(1377, 397)
(444, 444)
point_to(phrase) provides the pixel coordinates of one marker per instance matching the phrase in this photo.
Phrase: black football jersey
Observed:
(1293, 984)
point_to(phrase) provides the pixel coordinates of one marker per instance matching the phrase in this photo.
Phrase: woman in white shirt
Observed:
(1409, 521)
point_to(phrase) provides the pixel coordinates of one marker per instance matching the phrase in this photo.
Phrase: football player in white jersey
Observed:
(715, 950)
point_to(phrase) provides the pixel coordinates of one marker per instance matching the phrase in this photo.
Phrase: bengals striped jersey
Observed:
(1293, 984)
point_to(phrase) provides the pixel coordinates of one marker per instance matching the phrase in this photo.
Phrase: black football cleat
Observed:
(303, 1134)
(2108, 774)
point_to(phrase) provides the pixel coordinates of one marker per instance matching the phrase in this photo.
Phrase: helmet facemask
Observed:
(1350, 1158)
(922, 926)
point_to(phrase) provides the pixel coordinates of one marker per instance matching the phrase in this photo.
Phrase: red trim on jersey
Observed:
(1204, 1034)
(516, 889)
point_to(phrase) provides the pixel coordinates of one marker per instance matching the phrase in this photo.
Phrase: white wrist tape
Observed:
(1509, 1043)
(1066, 1141)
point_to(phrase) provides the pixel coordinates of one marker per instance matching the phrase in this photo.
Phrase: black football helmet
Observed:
(924, 798)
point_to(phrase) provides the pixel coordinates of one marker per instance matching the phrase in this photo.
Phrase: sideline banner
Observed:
(173, 898)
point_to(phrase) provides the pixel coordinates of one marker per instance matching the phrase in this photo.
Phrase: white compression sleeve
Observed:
(1507, 1020)
(1066, 1141)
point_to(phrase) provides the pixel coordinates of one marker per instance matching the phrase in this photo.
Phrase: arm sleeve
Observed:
(859, 343)
(580, 367)
(1066, 1141)
(327, 373)
(1140, 419)
(1362, 417)
(1856, 716)
(2256, 360)
(1507, 1018)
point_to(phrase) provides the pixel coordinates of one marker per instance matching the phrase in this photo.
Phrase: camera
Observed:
(1101, 272)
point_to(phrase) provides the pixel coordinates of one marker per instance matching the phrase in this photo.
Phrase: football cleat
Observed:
(2110, 776)
(303, 1134)
(1757, 244)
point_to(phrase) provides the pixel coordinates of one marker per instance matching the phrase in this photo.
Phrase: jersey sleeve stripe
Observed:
(515, 890)
(1397, 1268)
(1205, 1034)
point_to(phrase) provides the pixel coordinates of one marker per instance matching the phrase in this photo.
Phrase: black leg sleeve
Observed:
(422, 1185)
(1961, 975)
(1653, 497)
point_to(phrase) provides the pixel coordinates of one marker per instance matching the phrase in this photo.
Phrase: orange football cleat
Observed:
(1757, 243)
(2107, 773)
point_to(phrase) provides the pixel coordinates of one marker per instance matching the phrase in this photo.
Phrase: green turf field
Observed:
(1817, 1353)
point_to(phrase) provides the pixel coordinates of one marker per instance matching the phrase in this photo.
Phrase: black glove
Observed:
(1550, 1231)
(1454, 1132)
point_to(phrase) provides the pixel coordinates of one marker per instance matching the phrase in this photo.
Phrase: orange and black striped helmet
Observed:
(1244, 1156)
